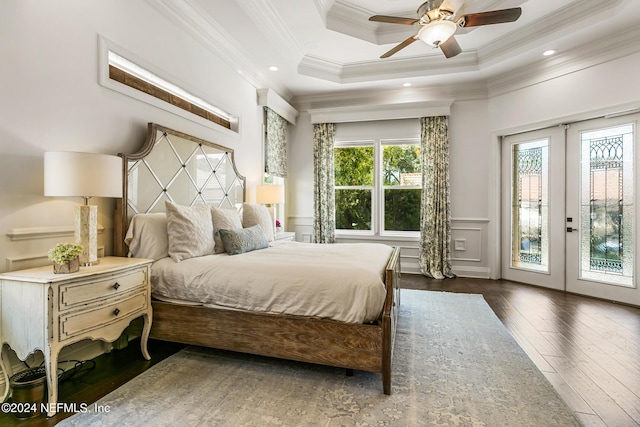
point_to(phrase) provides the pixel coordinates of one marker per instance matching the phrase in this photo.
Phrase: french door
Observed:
(569, 211)
(533, 208)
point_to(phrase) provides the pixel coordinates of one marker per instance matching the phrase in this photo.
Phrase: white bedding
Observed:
(339, 281)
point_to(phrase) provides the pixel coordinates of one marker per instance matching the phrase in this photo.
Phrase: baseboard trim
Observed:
(472, 272)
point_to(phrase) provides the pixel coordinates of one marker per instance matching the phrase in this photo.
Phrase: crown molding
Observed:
(352, 20)
(535, 33)
(364, 98)
(398, 68)
(360, 113)
(588, 55)
(196, 22)
(323, 7)
(481, 66)
(266, 17)
(269, 98)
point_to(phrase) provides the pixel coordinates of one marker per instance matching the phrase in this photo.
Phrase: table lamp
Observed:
(86, 175)
(270, 194)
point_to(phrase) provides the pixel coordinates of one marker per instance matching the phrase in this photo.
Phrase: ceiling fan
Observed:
(438, 24)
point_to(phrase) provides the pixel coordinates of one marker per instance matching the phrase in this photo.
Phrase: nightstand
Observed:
(46, 311)
(285, 235)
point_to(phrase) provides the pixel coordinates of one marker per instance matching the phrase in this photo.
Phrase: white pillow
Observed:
(255, 214)
(224, 219)
(190, 231)
(147, 236)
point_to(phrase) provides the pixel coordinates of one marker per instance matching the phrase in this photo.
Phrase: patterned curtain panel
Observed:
(435, 211)
(276, 144)
(324, 222)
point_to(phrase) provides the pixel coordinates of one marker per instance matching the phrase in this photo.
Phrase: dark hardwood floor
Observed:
(587, 348)
(110, 372)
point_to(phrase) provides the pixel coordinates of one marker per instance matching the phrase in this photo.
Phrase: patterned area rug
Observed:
(454, 365)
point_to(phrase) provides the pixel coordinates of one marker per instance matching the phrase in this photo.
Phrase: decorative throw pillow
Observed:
(147, 236)
(190, 231)
(243, 240)
(255, 214)
(227, 219)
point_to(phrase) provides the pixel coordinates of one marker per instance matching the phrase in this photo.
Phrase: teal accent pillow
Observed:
(243, 240)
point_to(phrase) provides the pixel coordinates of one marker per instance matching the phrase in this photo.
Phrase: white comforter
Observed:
(338, 281)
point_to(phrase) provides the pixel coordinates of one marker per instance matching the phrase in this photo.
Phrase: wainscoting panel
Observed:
(466, 244)
(38, 237)
(468, 247)
(468, 240)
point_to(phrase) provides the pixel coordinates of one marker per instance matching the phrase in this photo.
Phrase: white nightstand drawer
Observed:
(41, 310)
(83, 292)
(82, 321)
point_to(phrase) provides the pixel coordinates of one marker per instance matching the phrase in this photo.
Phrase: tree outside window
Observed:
(402, 179)
(354, 183)
(360, 180)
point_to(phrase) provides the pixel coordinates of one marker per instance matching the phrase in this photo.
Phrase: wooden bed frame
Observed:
(367, 347)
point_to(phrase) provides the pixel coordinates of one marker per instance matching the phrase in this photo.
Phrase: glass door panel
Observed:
(530, 205)
(600, 192)
(606, 208)
(533, 208)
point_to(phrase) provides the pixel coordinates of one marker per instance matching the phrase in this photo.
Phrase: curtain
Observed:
(435, 209)
(324, 222)
(276, 144)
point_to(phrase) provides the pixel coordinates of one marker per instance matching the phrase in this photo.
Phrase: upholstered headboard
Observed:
(174, 166)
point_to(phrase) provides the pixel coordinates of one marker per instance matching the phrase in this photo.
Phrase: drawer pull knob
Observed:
(116, 311)
(116, 286)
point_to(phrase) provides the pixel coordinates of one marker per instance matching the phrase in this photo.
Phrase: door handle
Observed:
(570, 229)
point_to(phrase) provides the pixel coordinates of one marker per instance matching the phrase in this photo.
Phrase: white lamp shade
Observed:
(71, 174)
(437, 32)
(269, 194)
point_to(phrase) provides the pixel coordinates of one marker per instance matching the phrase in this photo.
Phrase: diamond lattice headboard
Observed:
(177, 167)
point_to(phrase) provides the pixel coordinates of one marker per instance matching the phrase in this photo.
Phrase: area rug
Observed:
(454, 364)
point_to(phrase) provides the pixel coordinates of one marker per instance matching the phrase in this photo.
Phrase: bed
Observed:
(175, 169)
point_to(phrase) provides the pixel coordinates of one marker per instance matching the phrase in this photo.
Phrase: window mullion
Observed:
(377, 204)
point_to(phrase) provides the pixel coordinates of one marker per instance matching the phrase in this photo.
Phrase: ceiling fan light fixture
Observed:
(437, 32)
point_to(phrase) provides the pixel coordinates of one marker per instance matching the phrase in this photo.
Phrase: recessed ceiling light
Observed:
(273, 68)
(549, 52)
(406, 84)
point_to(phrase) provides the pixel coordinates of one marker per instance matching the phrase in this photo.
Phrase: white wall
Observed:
(596, 90)
(469, 186)
(50, 99)
(609, 87)
(474, 130)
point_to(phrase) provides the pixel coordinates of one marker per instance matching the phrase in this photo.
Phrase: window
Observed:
(377, 187)
(124, 72)
(130, 74)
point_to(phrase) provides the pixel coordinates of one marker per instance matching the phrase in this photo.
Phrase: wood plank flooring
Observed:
(111, 371)
(587, 348)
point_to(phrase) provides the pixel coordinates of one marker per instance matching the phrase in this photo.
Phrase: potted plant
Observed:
(65, 257)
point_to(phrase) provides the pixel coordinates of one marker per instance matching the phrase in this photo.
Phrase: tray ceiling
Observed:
(330, 47)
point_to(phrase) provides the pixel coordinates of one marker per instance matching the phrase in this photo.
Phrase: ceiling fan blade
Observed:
(402, 45)
(394, 19)
(450, 48)
(491, 17)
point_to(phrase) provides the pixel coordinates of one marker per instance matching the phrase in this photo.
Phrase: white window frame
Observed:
(374, 208)
(393, 233)
(377, 190)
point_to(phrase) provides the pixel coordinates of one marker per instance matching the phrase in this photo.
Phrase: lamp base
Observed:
(86, 231)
